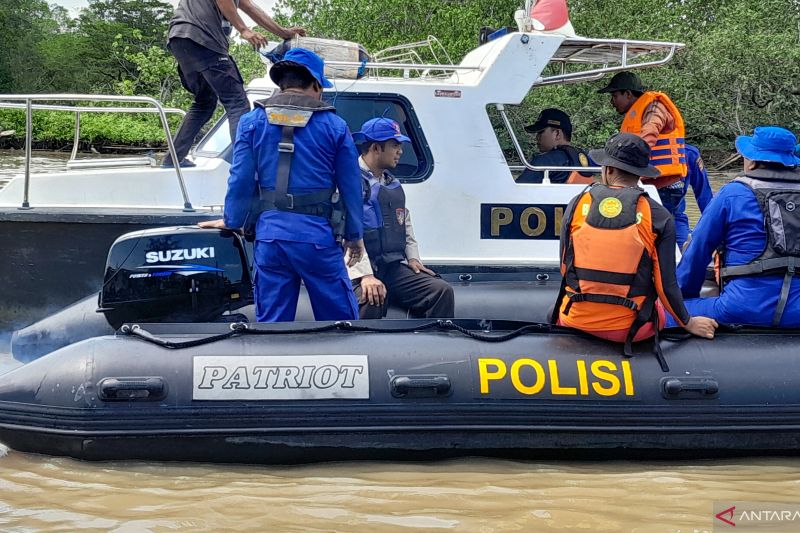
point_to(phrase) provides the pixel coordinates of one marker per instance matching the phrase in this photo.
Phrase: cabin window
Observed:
(217, 141)
(416, 164)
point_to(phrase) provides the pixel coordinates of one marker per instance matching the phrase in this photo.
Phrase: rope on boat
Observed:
(241, 329)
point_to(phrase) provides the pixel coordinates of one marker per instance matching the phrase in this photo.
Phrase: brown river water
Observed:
(39, 493)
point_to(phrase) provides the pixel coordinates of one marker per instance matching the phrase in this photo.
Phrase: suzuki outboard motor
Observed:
(184, 274)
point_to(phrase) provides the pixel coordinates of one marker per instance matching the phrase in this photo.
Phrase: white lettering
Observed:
(183, 254)
(280, 377)
(238, 379)
(210, 375)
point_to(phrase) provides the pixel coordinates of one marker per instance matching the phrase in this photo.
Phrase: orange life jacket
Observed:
(577, 158)
(669, 153)
(577, 177)
(607, 263)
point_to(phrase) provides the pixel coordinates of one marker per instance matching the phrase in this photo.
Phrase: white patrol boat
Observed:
(473, 221)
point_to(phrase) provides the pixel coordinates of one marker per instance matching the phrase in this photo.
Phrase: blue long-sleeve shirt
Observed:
(674, 197)
(324, 156)
(734, 219)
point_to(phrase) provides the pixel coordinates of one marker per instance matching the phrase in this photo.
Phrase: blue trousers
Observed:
(279, 267)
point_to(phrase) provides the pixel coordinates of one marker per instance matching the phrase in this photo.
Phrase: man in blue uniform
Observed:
(301, 151)
(673, 197)
(198, 38)
(755, 220)
(553, 130)
(392, 263)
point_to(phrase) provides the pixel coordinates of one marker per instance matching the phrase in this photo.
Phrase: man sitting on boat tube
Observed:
(618, 254)
(392, 264)
(756, 219)
(553, 130)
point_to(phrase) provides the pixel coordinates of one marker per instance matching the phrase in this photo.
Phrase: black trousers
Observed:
(425, 296)
(209, 76)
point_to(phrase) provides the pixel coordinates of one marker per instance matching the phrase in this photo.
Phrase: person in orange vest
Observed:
(553, 131)
(655, 118)
(618, 254)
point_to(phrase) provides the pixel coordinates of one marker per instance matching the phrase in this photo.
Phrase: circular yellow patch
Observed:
(610, 207)
(583, 160)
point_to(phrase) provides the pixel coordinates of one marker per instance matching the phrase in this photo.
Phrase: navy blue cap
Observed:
(380, 129)
(551, 118)
(301, 58)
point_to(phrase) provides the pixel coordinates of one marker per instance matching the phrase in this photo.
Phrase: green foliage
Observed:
(739, 68)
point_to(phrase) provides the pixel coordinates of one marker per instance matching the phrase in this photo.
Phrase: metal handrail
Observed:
(594, 74)
(29, 107)
(545, 170)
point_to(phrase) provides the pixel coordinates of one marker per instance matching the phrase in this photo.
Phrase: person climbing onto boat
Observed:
(618, 254)
(391, 269)
(198, 38)
(553, 131)
(655, 118)
(755, 222)
(293, 151)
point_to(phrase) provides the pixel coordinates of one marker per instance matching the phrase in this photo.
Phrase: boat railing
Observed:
(577, 59)
(146, 105)
(413, 53)
(605, 56)
(545, 170)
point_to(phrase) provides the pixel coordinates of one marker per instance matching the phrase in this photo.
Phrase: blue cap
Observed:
(769, 144)
(300, 57)
(380, 129)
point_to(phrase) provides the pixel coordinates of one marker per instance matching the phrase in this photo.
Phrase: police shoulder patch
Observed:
(700, 164)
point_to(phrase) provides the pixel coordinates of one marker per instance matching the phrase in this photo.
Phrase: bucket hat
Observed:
(769, 144)
(300, 58)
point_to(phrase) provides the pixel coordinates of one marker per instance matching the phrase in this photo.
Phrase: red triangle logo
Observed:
(727, 516)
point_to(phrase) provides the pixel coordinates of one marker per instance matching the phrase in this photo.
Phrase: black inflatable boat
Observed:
(310, 392)
(229, 391)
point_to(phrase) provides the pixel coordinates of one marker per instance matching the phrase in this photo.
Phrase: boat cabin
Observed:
(470, 215)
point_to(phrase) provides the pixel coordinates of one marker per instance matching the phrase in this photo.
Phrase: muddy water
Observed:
(476, 495)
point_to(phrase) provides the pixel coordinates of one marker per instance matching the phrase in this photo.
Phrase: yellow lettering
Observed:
(555, 386)
(524, 221)
(611, 378)
(627, 378)
(517, 382)
(583, 382)
(559, 214)
(501, 216)
(486, 376)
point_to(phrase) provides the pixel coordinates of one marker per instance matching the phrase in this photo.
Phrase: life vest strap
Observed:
(603, 276)
(784, 296)
(315, 203)
(765, 266)
(600, 299)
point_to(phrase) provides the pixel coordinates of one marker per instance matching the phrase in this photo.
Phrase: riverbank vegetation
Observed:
(739, 68)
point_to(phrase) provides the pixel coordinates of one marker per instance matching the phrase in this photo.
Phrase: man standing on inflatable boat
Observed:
(292, 152)
(618, 254)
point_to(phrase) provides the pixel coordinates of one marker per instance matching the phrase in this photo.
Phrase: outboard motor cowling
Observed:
(178, 274)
